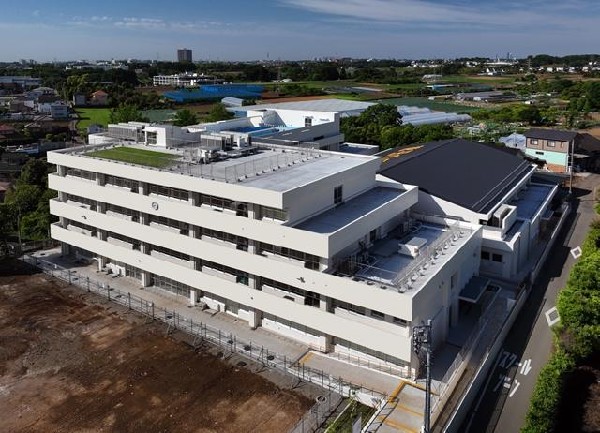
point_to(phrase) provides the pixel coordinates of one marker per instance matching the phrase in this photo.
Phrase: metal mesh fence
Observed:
(201, 332)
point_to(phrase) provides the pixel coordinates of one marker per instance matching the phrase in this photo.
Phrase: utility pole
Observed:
(421, 341)
(571, 157)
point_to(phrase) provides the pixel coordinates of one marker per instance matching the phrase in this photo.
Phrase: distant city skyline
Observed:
(296, 29)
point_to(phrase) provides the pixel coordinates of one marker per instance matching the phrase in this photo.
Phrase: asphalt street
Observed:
(503, 401)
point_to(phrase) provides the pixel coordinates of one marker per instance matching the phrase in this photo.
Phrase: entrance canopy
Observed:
(474, 289)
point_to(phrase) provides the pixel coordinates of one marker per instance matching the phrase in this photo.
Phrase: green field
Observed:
(135, 156)
(91, 116)
(448, 107)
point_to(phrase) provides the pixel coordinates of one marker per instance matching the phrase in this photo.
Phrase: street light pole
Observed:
(422, 341)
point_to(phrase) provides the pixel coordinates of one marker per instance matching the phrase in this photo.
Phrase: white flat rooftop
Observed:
(406, 274)
(275, 168)
(531, 199)
(350, 211)
(325, 105)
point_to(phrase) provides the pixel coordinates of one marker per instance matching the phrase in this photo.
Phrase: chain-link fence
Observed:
(314, 418)
(227, 342)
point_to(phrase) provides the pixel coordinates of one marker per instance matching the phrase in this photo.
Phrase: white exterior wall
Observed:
(221, 289)
(317, 196)
(438, 298)
(312, 317)
(169, 136)
(297, 118)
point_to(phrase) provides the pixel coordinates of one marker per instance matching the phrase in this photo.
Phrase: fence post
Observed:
(88, 284)
(108, 291)
(129, 300)
(69, 274)
(152, 305)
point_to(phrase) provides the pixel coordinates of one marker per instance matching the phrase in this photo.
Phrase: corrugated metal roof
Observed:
(473, 175)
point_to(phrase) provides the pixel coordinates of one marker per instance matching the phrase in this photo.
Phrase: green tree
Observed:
(185, 117)
(368, 126)
(218, 112)
(35, 172)
(126, 113)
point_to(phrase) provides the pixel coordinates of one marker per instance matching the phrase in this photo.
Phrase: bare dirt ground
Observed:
(70, 362)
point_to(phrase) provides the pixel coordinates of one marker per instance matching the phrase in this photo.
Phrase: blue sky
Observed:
(295, 29)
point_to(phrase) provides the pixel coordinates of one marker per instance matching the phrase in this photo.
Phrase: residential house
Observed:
(99, 98)
(563, 149)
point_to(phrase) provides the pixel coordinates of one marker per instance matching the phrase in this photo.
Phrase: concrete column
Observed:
(101, 262)
(144, 218)
(197, 264)
(252, 246)
(326, 343)
(65, 249)
(145, 248)
(101, 207)
(326, 304)
(254, 282)
(102, 234)
(146, 279)
(62, 196)
(194, 198)
(100, 179)
(61, 170)
(255, 319)
(143, 188)
(254, 211)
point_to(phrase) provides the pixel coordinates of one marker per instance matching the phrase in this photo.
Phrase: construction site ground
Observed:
(71, 361)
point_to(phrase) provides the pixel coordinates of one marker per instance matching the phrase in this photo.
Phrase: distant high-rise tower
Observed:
(184, 55)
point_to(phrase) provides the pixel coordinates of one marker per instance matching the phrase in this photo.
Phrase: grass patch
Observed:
(343, 423)
(91, 116)
(145, 157)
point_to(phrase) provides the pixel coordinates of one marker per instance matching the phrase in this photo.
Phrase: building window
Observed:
(312, 299)
(551, 144)
(485, 255)
(151, 137)
(377, 314)
(497, 258)
(307, 122)
(373, 236)
(401, 322)
(337, 194)
(273, 213)
(534, 142)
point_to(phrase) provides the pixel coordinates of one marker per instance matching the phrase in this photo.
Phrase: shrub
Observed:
(546, 394)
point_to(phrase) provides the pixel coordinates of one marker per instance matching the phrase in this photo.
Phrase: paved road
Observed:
(502, 403)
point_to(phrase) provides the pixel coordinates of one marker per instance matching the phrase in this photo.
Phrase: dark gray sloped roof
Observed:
(473, 175)
(588, 143)
(550, 134)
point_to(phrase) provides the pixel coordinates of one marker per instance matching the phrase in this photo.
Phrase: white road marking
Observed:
(576, 252)
(526, 368)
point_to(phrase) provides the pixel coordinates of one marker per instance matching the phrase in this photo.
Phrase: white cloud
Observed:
(422, 11)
